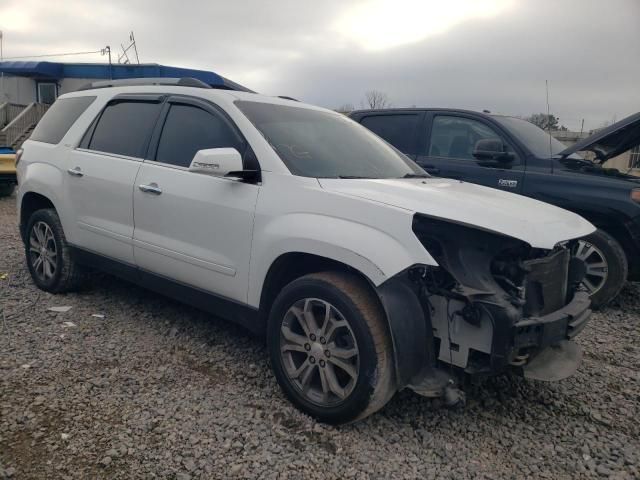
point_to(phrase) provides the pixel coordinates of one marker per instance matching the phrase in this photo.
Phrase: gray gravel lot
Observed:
(156, 389)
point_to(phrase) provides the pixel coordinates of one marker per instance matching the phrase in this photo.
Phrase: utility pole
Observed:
(107, 51)
(2, 94)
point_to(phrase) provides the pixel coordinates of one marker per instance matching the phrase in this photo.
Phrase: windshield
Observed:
(319, 144)
(534, 138)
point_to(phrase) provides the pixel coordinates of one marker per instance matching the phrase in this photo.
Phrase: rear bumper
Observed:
(8, 178)
(7, 168)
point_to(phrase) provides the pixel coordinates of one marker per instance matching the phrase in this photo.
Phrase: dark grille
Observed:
(546, 283)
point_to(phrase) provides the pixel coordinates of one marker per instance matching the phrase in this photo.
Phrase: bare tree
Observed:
(376, 99)
(346, 108)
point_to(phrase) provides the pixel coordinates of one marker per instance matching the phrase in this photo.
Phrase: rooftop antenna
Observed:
(549, 126)
(124, 58)
(135, 48)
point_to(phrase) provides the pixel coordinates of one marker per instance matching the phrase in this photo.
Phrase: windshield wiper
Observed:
(350, 177)
(416, 175)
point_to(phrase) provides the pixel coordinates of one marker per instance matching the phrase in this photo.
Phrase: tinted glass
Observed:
(189, 129)
(58, 120)
(455, 137)
(398, 130)
(124, 128)
(539, 142)
(315, 143)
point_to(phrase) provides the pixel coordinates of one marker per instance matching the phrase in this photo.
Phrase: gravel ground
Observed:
(159, 390)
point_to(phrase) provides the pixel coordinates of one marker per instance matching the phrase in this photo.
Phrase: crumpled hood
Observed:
(539, 224)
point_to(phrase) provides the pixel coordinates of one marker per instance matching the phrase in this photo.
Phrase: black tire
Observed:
(359, 306)
(67, 275)
(6, 189)
(616, 268)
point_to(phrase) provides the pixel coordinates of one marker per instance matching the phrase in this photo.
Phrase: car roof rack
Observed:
(131, 82)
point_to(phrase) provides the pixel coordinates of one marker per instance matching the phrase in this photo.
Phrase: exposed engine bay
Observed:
(495, 303)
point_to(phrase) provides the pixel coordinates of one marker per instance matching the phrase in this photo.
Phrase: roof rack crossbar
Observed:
(130, 82)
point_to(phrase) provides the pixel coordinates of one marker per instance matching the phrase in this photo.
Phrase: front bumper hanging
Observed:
(556, 356)
(563, 324)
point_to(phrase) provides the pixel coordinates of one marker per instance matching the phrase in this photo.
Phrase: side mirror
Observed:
(217, 162)
(492, 149)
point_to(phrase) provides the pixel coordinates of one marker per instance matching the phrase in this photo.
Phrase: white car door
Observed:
(101, 173)
(194, 228)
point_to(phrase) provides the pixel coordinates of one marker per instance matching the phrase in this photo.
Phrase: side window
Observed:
(399, 130)
(58, 120)
(124, 128)
(188, 129)
(455, 137)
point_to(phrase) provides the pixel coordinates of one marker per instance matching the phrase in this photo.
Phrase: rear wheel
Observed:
(605, 266)
(329, 347)
(48, 254)
(6, 189)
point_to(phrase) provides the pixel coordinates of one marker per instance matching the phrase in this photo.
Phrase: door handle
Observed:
(151, 188)
(76, 172)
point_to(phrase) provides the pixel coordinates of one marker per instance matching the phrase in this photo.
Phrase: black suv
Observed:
(512, 154)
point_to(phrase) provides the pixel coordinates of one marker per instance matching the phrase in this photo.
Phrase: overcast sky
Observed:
(478, 54)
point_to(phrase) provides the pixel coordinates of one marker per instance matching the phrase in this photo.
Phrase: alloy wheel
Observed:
(42, 251)
(319, 352)
(596, 267)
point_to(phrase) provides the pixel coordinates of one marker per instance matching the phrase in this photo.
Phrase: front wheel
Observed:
(329, 347)
(605, 265)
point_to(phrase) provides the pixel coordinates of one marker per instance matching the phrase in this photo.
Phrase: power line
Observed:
(52, 55)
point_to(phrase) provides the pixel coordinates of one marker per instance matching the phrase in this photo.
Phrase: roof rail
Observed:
(131, 82)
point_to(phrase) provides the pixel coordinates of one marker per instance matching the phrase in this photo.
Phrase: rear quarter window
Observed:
(55, 124)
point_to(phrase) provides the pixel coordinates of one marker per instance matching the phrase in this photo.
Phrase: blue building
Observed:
(42, 82)
(28, 88)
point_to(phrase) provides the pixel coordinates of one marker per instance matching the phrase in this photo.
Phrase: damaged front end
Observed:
(495, 303)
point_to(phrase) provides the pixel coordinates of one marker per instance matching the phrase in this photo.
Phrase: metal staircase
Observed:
(18, 121)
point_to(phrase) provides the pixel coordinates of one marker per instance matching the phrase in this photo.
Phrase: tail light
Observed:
(635, 195)
(19, 155)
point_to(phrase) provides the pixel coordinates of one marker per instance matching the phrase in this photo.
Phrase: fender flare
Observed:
(31, 183)
(409, 326)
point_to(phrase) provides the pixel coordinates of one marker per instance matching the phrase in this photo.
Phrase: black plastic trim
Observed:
(562, 324)
(409, 326)
(230, 310)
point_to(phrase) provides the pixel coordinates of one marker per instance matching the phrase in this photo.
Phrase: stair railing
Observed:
(17, 127)
(9, 111)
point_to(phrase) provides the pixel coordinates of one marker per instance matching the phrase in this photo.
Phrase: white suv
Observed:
(366, 274)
